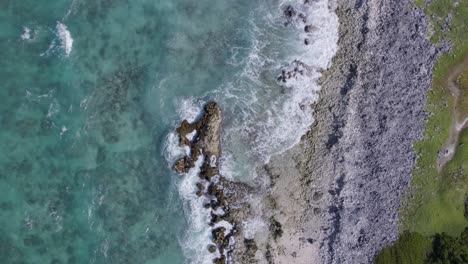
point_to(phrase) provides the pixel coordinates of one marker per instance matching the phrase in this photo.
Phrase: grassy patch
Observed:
(414, 248)
(448, 21)
(434, 211)
(433, 204)
(411, 248)
(462, 83)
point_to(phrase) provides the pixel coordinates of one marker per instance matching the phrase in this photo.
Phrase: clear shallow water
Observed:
(90, 93)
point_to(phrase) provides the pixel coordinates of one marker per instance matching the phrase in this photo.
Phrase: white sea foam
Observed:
(252, 226)
(218, 211)
(213, 161)
(190, 136)
(26, 33)
(266, 118)
(198, 235)
(64, 130)
(228, 226)
(172, 149)
(65, 37)
(262, 117)
(189, 108)
(53, 108)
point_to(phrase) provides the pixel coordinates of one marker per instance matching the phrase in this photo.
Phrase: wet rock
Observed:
(184, 129)
(207, 141)
(220, 260)
(207, 172)
(216, 191)
(212, 248)
(218, 235)
(303, 18)
(183, 165)
(309, 28)
(218, 218)
(200, 186)
(289, 12)
(292, 71)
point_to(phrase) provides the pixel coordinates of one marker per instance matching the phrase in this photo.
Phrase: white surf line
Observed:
(65, 37)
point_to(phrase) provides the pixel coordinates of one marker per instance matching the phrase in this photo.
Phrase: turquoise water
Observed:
(90, 92)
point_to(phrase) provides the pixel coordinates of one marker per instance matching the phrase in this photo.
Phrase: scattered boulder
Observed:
(183, 165)
(220, 260)
(212, 248)
(200, 186)
(218, 235)
(309, 28)
(295, 69)
(289, 12)
(250, 248)
(275, 228)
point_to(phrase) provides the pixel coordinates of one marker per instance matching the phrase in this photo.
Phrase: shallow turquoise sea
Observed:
(90, 91)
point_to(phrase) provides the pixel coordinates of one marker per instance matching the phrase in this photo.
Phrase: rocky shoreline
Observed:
(334, 197)
(223, 198)
(339, 195)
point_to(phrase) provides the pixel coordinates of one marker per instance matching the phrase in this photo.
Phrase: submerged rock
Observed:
(289, 12)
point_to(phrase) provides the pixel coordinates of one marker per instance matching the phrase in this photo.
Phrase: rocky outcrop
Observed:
(202, 137)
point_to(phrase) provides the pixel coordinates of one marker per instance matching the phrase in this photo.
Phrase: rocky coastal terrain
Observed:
(334, 197)
(223, 198)
(339, 195)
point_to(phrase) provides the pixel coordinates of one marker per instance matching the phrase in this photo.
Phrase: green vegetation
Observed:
(413, 248)
(399, 254)
(435, 217)
(462, 83)
(435, 202)
(449, 250)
